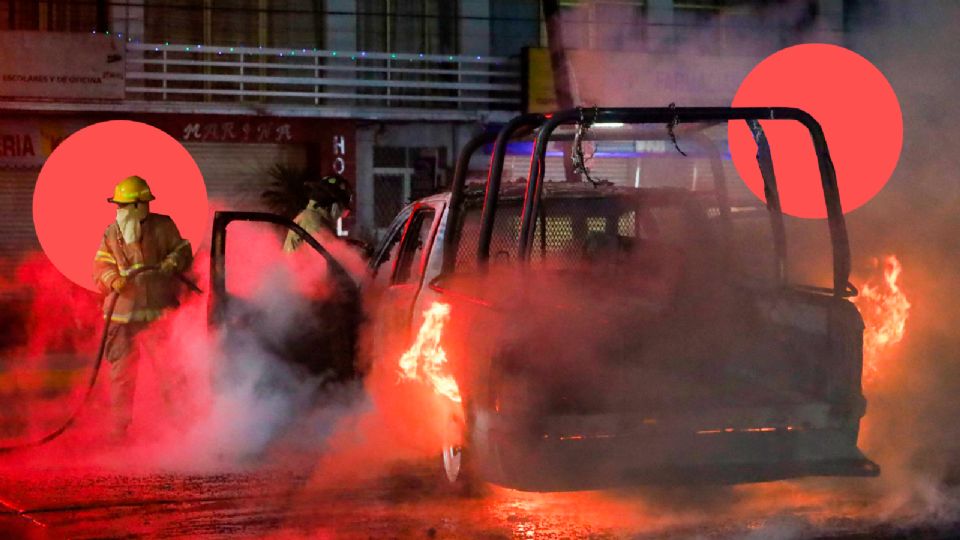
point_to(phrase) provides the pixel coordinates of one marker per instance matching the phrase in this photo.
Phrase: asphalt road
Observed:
(75, 493)
(409, 502)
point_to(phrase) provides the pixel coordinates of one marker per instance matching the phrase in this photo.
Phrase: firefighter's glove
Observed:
(118, 284)
(168, 267)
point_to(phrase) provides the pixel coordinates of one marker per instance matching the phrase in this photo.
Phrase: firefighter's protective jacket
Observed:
(313, 219)
(150, 292)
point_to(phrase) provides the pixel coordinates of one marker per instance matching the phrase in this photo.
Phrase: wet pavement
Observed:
(411, 502)
(73, 490)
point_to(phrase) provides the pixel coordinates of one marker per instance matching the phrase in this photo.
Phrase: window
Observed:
(412, 26)
(387, 250)
(514, 24)
(413, 246)
(278, 23)
(403, 174)
(387, 197)
(53, 15)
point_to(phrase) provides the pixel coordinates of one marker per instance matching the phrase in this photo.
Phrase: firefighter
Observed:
(325, 336)
(330, 199)
(136, 239)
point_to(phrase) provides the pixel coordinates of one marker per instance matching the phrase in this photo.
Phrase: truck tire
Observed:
(452, 458)
(459, 473)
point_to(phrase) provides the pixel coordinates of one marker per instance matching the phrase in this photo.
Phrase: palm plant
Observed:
(286, 194)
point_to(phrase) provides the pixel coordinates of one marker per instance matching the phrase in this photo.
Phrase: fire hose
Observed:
(108, 314)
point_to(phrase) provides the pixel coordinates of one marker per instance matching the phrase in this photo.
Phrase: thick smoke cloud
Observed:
(910, 416)
(206, 401)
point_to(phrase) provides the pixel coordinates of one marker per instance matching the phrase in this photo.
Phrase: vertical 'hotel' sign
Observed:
(339, 154)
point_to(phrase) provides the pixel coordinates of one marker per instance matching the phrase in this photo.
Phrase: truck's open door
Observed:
(324, 338)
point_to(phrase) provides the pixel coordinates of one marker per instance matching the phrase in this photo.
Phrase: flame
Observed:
(884, 308)
(426, 360)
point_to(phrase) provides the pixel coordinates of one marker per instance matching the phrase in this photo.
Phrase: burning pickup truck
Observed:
(606, 334)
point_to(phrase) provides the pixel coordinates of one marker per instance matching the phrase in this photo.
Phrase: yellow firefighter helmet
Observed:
(130, 190)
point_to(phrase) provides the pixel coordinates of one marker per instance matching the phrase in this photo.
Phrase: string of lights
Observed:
(313, 52)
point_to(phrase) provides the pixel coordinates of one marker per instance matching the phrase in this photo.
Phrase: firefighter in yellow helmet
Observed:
(136, 238)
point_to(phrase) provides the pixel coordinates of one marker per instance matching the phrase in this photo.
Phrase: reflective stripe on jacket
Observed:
(313, 219)
(150, 293)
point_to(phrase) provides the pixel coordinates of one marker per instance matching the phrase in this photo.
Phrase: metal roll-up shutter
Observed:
(616, 170)
(554, 171)
(237, 174)
(17, 234)
(658, 171)
(519, 167)
(737, 189)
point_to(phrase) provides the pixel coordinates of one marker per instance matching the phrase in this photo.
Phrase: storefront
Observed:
(235, 154)
(25, 145)
(402, 162)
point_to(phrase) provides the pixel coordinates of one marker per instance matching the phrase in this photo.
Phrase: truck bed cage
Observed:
(522, 126)
(547, 124)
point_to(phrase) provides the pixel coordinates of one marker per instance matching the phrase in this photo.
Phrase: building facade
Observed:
(384, 92)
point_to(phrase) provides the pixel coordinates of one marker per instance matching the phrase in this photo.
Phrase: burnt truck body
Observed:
(610, 334)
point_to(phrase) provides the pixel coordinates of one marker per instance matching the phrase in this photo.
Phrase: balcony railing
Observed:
(204, 73)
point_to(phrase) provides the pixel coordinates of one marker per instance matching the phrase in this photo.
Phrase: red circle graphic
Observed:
(852, 101)
(70, 208)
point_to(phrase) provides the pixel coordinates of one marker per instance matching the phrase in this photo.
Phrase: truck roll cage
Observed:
(679, 115)
(521, 126)
(517, 127)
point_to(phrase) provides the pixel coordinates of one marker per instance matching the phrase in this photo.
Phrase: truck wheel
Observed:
(460, 477)
(453, 463)
(452, 450)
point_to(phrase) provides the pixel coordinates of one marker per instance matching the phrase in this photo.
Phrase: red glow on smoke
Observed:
(62, 316)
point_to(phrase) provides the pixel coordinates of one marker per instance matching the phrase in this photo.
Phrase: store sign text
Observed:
(61, 65)
(263, 132)
(16, 145)
(29, 144)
